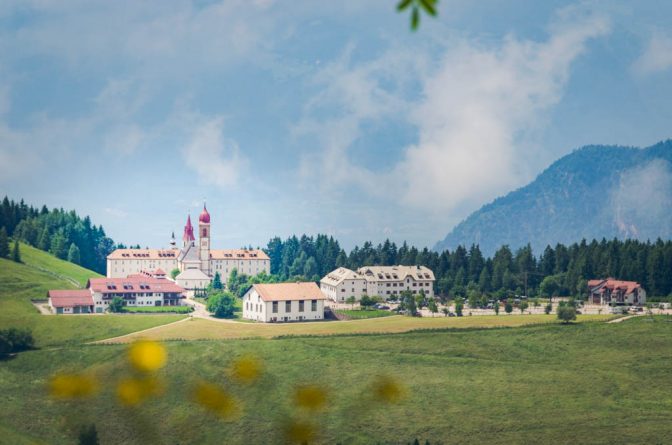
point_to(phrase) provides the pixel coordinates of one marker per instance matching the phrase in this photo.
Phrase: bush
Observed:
(117, 304)
(566, 313)
(16, 340)
(222, 304)
(548, 308)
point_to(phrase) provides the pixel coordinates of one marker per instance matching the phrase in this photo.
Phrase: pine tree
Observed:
(217, 282)
(4, 243)
(73, 254)
(16, 254)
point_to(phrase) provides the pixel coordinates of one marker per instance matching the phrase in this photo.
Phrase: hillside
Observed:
(594, 192)
(39, 272)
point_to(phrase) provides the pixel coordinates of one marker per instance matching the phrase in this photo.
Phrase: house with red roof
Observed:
(140, 290)
(280, 302)
(610, 291)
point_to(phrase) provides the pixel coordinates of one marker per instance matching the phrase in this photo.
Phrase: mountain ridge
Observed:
(596, 191)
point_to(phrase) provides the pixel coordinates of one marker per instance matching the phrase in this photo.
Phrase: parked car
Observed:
(451, 314)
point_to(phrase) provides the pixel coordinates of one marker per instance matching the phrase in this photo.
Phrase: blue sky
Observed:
(294, 117)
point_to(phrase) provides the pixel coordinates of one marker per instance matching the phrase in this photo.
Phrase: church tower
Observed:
(204, 240)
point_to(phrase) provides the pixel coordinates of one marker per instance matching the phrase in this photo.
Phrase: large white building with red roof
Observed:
(197, 262)
(282, 302)
(611, 291)
(139, 290)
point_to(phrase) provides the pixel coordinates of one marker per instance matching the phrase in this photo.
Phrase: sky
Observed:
(304, 116)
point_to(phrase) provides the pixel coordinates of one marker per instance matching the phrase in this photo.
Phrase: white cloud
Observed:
(481, 107)
(216, 160)
(117, 213)
(479, 110)
(657, 55)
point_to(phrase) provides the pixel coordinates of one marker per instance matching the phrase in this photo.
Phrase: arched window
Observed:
(205, 232)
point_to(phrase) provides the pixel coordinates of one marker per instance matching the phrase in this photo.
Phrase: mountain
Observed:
(594, 192)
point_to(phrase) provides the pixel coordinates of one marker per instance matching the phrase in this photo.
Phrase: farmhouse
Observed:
(611, 291)
(197, 264)
(144, 289)
(383, 281)
(278, 302)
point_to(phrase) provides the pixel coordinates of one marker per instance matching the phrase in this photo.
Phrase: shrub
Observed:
(566, 313)
(16, 340)
(222, 304)
(117, 304)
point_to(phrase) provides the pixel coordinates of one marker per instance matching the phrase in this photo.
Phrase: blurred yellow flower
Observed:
(300, 432)
(310, 397)
(72, 386)
(133, 391)
(147, 355)
(215, 399)
(246, 369)
(387, 390)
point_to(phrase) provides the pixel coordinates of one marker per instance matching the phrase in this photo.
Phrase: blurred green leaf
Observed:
(428, 6)
(403, 4)
(415, 18)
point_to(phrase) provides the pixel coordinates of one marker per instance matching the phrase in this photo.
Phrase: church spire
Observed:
(188, 232)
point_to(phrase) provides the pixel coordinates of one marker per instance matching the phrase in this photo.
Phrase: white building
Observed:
(197, 263)
(145, 289)
(382, 281)
(280, 302)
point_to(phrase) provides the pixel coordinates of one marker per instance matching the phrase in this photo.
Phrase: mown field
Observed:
(19, 283)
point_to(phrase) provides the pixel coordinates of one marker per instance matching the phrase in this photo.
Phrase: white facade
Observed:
(193, 255)
(284, 303)
(383, 281)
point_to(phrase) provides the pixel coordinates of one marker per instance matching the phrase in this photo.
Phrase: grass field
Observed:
(158, 309)
(357, 314)
(200, 329)
(588, 383)
(19, 283)
(470, 380)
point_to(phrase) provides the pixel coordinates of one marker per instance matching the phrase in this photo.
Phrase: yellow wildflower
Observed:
(147, 355)
(310, 397)
(215, 399)
(387, 390)
(133, 391)
(246, 369)
(72, 386)
(300, 432)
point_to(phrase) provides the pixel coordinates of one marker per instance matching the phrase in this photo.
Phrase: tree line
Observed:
(62, 233)
(558, 270)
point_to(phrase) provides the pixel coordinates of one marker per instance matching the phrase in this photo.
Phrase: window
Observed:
(301, 305)
(288, 306)
(275, 307)
(313, 305)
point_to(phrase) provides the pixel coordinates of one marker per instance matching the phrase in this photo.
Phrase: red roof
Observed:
(159, 271)
(188, 231)
(611, 284)
(205, 216)
(289, 291)
(133, 283)
(70, 298)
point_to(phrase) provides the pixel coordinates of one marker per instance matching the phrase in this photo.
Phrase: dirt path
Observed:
(628, 317)
(121, 337)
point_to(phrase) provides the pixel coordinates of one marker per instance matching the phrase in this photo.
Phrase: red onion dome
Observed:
(205, 216)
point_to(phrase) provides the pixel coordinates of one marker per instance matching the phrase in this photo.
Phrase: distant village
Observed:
(169, 277)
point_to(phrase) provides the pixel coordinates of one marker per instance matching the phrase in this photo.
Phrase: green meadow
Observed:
(544, 383)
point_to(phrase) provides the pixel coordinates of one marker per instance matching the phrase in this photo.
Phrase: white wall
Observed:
(254, 308)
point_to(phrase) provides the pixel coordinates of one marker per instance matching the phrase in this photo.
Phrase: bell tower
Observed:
(204, 239)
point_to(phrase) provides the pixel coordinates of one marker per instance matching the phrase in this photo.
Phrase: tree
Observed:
(459, 306)
(432, 306)
(174, 273)
(548, 309)
(523, 306)
(73, 254)
(116, 305)
(508, 308)
(16, 340)
(4, 243)
(222, 304)
(445, 311)
(217, 282)
(351, 300)
(566, 313)
(16, 254)
(496, 307)
(366, 302)
(408, 302)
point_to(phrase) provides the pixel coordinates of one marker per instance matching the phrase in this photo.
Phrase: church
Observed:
(197, 263)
